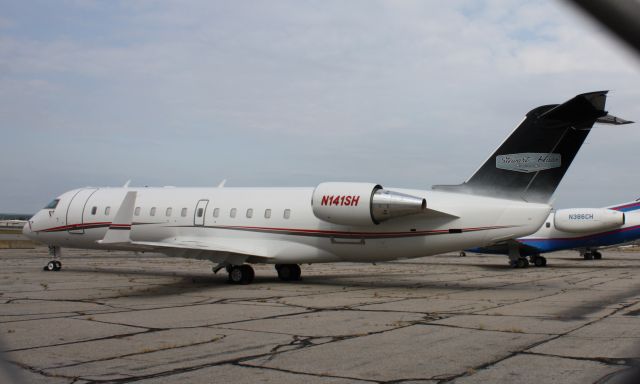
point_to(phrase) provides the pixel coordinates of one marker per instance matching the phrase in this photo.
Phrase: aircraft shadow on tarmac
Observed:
(578, 312)
(503, 267)
(195, 281)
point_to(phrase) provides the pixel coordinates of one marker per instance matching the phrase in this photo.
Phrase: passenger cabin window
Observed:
(232, 213)
(216, 212)
(152, 212)
(548, 225)
(267, 213)
(53, 204)
(94, 210)
(107, 210)
(287, 213)
(200, 212)
(249, 213)
(183, 213)
(136, 212)
(168, 212)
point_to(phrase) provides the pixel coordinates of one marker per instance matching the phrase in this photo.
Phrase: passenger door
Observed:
(200, 212)
(75, 210)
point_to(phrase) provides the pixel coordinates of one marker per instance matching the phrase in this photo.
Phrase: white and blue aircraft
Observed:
(506, 198)
(583, 229)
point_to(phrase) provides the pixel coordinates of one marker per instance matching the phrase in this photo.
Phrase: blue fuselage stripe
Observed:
(618, 236)
(627, 207)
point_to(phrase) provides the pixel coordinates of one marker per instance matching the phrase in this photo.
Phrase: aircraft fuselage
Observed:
(277, 225)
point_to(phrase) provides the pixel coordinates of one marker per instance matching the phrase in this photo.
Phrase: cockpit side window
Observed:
(53, 204)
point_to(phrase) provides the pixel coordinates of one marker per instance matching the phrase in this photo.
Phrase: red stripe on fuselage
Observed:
(71, 227)
(292, 231)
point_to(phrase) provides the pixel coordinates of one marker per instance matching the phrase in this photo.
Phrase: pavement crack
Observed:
(143, 352)
(81, 341)
(623, 361)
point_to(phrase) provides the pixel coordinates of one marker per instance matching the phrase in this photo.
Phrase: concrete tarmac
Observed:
(122, 317)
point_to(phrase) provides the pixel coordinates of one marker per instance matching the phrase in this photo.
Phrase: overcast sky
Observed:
(293, 93)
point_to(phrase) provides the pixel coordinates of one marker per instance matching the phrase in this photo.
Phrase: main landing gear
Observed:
(522, 262)
(592, 255)
(55, 264)
(538, 261)
(244, 274)
(288, 272)
(240, 274)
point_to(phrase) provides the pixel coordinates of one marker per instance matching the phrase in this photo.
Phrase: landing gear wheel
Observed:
(522, 263)
(241, 274)
(288, 272)
(249, 272)
(539, 261)
(58, 265)
(588, 256)
(463, 253)
(51, 266)
(597, 255)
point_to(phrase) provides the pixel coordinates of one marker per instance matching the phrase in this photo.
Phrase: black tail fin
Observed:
(532, 161)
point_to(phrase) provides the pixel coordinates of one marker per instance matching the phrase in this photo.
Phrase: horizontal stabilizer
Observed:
(614, 120)
(120, 229)
(582, 108)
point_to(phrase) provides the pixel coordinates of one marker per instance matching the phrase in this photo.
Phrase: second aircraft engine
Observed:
(578, 220)
(362, 203)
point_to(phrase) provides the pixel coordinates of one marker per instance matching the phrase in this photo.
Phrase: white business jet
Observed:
(505, 199)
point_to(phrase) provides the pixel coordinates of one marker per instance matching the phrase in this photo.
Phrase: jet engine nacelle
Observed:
(587, 219)
(362, 203)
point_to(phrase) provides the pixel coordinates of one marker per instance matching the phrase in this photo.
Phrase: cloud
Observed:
(298, 91)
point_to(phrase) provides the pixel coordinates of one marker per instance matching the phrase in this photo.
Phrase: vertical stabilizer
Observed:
(532, 161)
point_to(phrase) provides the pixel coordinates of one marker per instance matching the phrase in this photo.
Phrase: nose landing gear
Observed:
(55, 264)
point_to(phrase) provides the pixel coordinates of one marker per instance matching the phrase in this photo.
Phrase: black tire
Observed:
(522, 263)
(284, 272)
(249, 274)
(588, 256)
(463, 254)
(296, 272)
(51, 266)
(544, 261)
(288, 272)
(597, 255)
(58, 265)
(539, 261)
(241, 274)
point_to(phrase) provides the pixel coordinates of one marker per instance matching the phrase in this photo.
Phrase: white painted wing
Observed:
(233, 250)
(218, 246)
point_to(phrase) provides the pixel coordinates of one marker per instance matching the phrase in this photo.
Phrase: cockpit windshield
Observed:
(53, 204)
